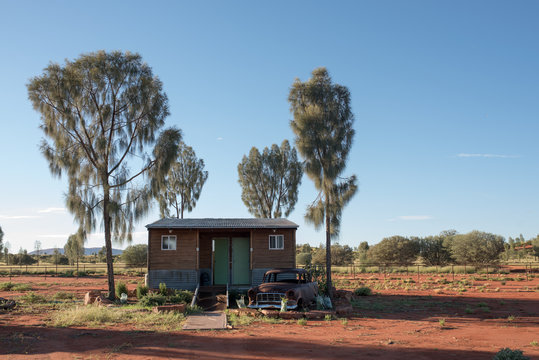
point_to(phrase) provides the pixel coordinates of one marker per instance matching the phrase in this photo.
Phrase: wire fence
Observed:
(354, 271)
(84, 269)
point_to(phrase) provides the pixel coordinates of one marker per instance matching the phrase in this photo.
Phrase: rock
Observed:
(344, 310)
(317, 314)
(103, 301)
(270, 313)
(91, 296)
(245, 311)
(166, 308)
(290, 315)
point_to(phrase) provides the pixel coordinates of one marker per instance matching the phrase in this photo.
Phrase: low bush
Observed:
(6, 286)
(142, 290)
(121, 288)
(62, 295)
(363, 291)
(33, 298)
(508, 354)
(181, 296)
(152, 299)
(21, 287)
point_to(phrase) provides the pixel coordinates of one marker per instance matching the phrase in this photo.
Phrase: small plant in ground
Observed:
(153, 300)
(328, 317)
(363, 291)
(511, 318)
(33, 298)
(6, 286)
(21, 287)
(344, 321)
(195, 309)
(508, 354)
(62, 295)
(441, 322)
(163, 289)
(142, 290)
(121, 288)
(302, 322)
(534, 343)
(469, 310)
(181, 296)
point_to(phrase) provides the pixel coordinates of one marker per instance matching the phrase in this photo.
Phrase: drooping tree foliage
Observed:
(323, 125)
(1, 239)
(183, 183)
(100, 114)
(270, 181)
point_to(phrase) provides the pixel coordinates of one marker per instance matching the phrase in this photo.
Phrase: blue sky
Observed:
(445, 96)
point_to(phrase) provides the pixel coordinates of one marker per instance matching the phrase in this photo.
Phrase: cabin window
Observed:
(168, 242)
(276, 242)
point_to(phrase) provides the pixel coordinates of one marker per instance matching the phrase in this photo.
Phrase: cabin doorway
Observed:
(231, 260)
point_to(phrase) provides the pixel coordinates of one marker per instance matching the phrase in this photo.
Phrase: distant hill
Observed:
(87, 251)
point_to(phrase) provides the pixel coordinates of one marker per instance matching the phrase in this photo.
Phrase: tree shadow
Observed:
(38, 341)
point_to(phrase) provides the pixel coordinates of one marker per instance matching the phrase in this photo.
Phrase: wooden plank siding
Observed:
(183, 258)
(263, 257)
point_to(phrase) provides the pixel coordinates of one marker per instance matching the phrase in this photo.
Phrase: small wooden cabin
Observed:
(236, 252)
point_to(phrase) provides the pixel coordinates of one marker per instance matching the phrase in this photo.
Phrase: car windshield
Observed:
(289, 277)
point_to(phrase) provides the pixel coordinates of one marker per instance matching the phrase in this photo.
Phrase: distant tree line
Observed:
(448, 247)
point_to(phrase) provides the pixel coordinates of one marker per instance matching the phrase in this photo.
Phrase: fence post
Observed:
(56, 271)
(10, 273)
(527, 279)
(45, 272)
(465, 272)
(418, 274)
(453, 272)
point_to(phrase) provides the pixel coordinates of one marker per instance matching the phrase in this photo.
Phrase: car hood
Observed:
(279, 287)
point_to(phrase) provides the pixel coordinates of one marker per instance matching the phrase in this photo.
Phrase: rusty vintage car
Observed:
(295, 285)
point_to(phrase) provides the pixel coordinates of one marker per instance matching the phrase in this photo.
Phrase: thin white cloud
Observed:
(16, 217)
(219, 138)
(499, 156)
(52, 210)
(412, 218)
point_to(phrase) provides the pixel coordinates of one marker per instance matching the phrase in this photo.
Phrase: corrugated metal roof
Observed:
(223, 224)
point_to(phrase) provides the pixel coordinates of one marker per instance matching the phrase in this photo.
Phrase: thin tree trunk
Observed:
(328, 253)
(108, 245)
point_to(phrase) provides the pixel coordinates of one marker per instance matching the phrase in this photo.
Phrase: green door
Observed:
(240, 261)
(220, 261)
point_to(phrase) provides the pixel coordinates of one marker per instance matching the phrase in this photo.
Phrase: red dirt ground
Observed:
(393, 324)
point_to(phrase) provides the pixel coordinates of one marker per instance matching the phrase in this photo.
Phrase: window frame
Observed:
(169, 238)
(276, 237)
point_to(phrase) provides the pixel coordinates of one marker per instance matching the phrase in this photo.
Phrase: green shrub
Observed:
(195, 309)
(363, 291)
(302, 322)
(153, 300)
(62, 295)
(508, 354)
(33, 298)
(6, 286)
(121, 288)
(181, 296)
(21, 287)
(142, 290)
(163, 289)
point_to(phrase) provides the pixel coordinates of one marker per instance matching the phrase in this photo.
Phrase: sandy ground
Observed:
(393, 324)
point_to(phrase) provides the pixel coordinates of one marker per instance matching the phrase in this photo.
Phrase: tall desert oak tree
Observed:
(322, 124)
(183, 184)
(270, 181)
(100, 113)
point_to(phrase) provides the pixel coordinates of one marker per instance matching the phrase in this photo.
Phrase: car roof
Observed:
(291, 270)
